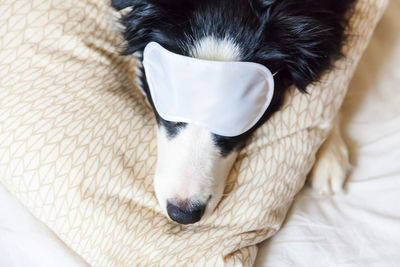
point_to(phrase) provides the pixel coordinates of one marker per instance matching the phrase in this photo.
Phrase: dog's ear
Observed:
(303, 37)
(152, 20)
(307, 47)
(139, 23)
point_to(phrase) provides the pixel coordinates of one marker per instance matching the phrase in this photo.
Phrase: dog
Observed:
(297, 40)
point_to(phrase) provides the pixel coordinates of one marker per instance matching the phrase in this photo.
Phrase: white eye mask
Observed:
(226, 98)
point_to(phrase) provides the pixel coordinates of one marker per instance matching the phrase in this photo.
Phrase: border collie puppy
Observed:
(297, 40)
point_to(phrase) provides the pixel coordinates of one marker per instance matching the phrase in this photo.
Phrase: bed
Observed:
(360, 228)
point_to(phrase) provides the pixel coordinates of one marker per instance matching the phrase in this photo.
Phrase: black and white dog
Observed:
(296, 39)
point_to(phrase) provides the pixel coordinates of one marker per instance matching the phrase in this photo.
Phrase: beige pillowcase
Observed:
(77, 142)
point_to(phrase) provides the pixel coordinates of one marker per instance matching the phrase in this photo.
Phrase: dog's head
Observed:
(295, 39)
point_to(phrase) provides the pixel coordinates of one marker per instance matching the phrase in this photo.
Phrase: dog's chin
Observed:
(190, 174)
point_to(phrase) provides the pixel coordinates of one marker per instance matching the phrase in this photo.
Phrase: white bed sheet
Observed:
(361, 228)
(25, 241)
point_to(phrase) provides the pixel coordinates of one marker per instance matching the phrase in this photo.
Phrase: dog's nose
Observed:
(185, 213)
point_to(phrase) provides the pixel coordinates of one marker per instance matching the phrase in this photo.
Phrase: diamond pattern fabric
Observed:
(78, 147)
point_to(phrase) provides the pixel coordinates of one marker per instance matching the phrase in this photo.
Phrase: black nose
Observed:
(185, 213)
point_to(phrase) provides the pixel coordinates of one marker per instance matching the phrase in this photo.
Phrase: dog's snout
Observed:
(185, 212)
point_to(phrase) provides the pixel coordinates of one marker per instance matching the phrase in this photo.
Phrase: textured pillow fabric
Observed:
(78, 147)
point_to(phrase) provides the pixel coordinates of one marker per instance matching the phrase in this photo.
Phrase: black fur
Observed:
(297, 38)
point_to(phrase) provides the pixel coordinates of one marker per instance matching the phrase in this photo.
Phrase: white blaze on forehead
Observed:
(210, 48)
(226, 98)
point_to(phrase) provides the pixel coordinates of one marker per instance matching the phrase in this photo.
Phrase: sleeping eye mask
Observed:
(225, 98)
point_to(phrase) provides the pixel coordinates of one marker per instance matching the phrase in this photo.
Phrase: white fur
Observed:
(210, 48)
(332, 164)
(190, 166)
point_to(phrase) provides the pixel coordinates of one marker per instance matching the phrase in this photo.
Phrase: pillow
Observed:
(78, 146)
